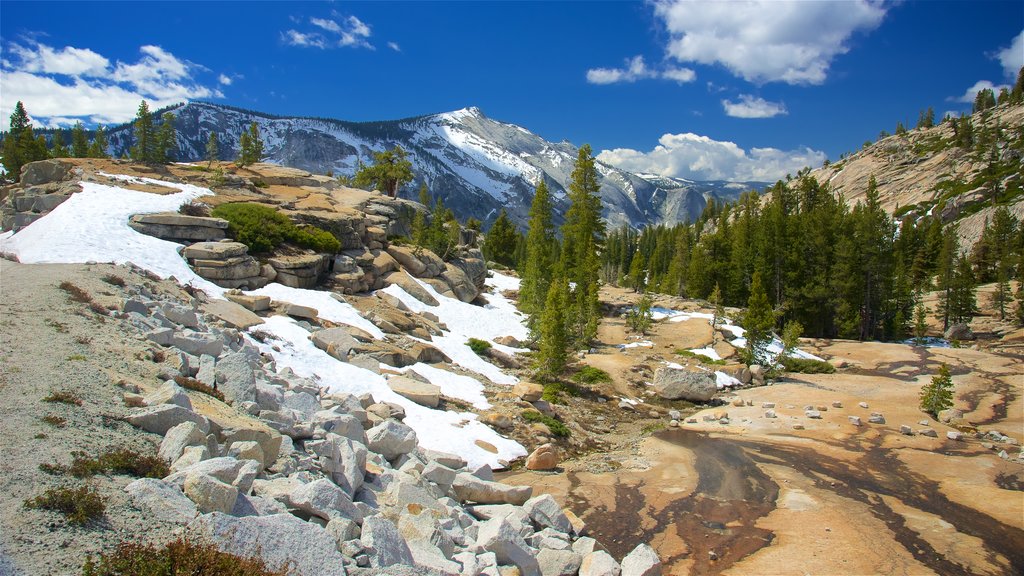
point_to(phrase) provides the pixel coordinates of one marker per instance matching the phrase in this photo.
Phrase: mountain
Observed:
(476, 164)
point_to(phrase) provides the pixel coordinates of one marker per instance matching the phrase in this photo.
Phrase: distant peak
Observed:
(470, 112)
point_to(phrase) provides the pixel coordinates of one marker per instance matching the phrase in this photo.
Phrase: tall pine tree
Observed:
(539, 264)
(145, 149)
(583, 236)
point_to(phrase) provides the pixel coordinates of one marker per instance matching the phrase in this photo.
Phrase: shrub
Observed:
(806, 365)
(178, 557)
(480, 347)
(55, 421)
(591, 375)
(80, 505)
(194, 209)
(63, 397)
(75, 294)
(556, 427)
(193, 384)
(556, 389)
(262, 229)
(937, 395)
(113, 280)
(121, 461)
(76, 358)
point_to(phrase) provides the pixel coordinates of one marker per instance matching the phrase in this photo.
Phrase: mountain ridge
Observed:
(476, 164)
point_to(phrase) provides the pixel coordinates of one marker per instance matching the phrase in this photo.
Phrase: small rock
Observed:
(863, 404)
(837, 404)
(813, 414)
(906, 430)
(767, 404)
(642, 561)
(954, 435)
(930, 432)
(855, 420)
(770, 414)
(876, 418)
(545, 457)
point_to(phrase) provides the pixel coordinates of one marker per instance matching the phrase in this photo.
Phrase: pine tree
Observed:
(166, 140)
(59, 148)
(500, 242)
(145, 149)
(640, 317)
(962, 301)
(418, 228)
(583, 235)
(637, 273)
(20, 144)
(553, 350)
(1019, 310)
(539, 263)
(938, 395)
(758, 321)
(1017, 94)
(946, 272)
(79, 143)
(920, 322)
(719, 312)
(388, 173)
(98, 148)
(250, 146)
(212, 149)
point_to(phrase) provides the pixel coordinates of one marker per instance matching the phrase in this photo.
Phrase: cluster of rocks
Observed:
(227, 264)
(322, 482)
(44, 186)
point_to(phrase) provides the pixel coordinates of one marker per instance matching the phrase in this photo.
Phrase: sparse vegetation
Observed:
(63, 397)
(194, 209)
(704, 359)
(590, 375)
(806, 365)
(76, 358)
(479, 347)
(555, 390)
(54, 420)
(79, 505)
(263, 228)
(75, 293)
(196, 385)
(121, 461)
(937, 395)
(178, 557)
(556, 426)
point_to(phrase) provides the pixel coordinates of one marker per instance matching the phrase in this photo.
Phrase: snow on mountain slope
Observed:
(476, 164)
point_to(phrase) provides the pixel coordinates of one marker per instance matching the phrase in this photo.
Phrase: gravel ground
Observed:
(49, 343)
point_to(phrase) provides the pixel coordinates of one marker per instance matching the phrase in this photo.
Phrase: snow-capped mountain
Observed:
(476, 164)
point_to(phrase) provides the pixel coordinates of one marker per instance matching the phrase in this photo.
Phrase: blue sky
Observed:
(694, 89)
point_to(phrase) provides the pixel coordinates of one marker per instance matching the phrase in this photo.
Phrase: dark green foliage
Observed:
(500, 243)
(166, 139)
(937, 395)
(388, 173)
(79, 143)
(121, 461)
(63, 397)
(201, 387)
(540, 257)
(583, 237)
(759, 321)
(806, 365)
(20, 144)
(98, 147)
(554, 345)
(639, 318)
(250, 146)
(590, 375)
(177, 558)
(984, 100)
(556, 427)
(59, 148)
(212, 149)
(478, 346)
(146, 144)
(262, 229)
(80, 505)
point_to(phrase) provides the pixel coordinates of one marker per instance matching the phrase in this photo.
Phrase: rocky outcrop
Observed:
(676, 384)
(300, 271)
(180, 228)
(44, 186)
(226, 264)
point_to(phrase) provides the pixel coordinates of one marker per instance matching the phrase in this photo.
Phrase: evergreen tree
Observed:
(553, 349)
(637, 273)
(961, 303)
(920, 323)
(500, 243)
(640, 317)
(674, 282)
(946, 273)
(145, 149)
(388, 173)
(1017, 94)
(583, 235)
(984, 100)
(166, 139)
(539, 261)
(250, 146)
(759, 321)
(938, 395)
(719, 312)
(419, 218)
(79, 143)
(1019, 310)
(59, 148)
(20, 144)
(98, 148)
(212, 149)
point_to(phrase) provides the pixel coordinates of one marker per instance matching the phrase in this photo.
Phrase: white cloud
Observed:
(357, 27)
(225, 80)
(636, 69)
(789, 41)
(394, 46)
(1012, 57)
(971, 93)
(753, 107)
(700, 158)
(296, 38)
(329, 25)
(62, 86)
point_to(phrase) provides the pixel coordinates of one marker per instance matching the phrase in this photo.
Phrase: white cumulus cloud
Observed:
(1012, 57)
(60, 86)
(791, 41)
(698, 157)
(972, 92)
(329, 25)
(636, 69)
(296, 38)
(753, 107)
(331, 32)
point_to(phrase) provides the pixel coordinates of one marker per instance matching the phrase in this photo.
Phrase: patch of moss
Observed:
(591, 375)
(556, 426)
(479, 347)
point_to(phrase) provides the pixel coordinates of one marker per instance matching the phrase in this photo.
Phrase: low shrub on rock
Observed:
(478, 346)
(79, 505)
(263, 228)
(806, 366)
(178, 557)
(556, 426)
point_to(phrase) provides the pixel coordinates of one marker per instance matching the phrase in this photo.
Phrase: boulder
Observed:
(283, 541)
(236, 377)
(422, 393)
(161, 418)
(323, 499)
(959, 331)
(391, 439)
(178, 438)
(528, 391)
(642, 561)
(232, 314)
(250, 450)
(169, 393)
(676, 384)
(559, 562)
(253, 303)
(469, 488)
(335, 341)
(43, 172)
(406, 282)
(406, 256)
(214, 250)
(546, 513)
(343, 458)
(209, 493)
(460, 283)
(497, 535)
(599, 563)
(544, 457)
(161, 501)
(383, 544)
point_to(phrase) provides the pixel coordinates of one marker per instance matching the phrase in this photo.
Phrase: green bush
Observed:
(80, 505)
(555, 389)
(263, 228)
(807, 366)
(591, 375)
(122, 461)
(480, 347)
(556, 427)
(176, 558)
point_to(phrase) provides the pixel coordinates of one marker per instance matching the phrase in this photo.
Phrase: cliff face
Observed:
(924, 171)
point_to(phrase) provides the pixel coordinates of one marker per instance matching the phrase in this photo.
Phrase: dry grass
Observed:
(120, 461)
(63, 397)
(79, 505)
(196, 385)
(178, 557)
